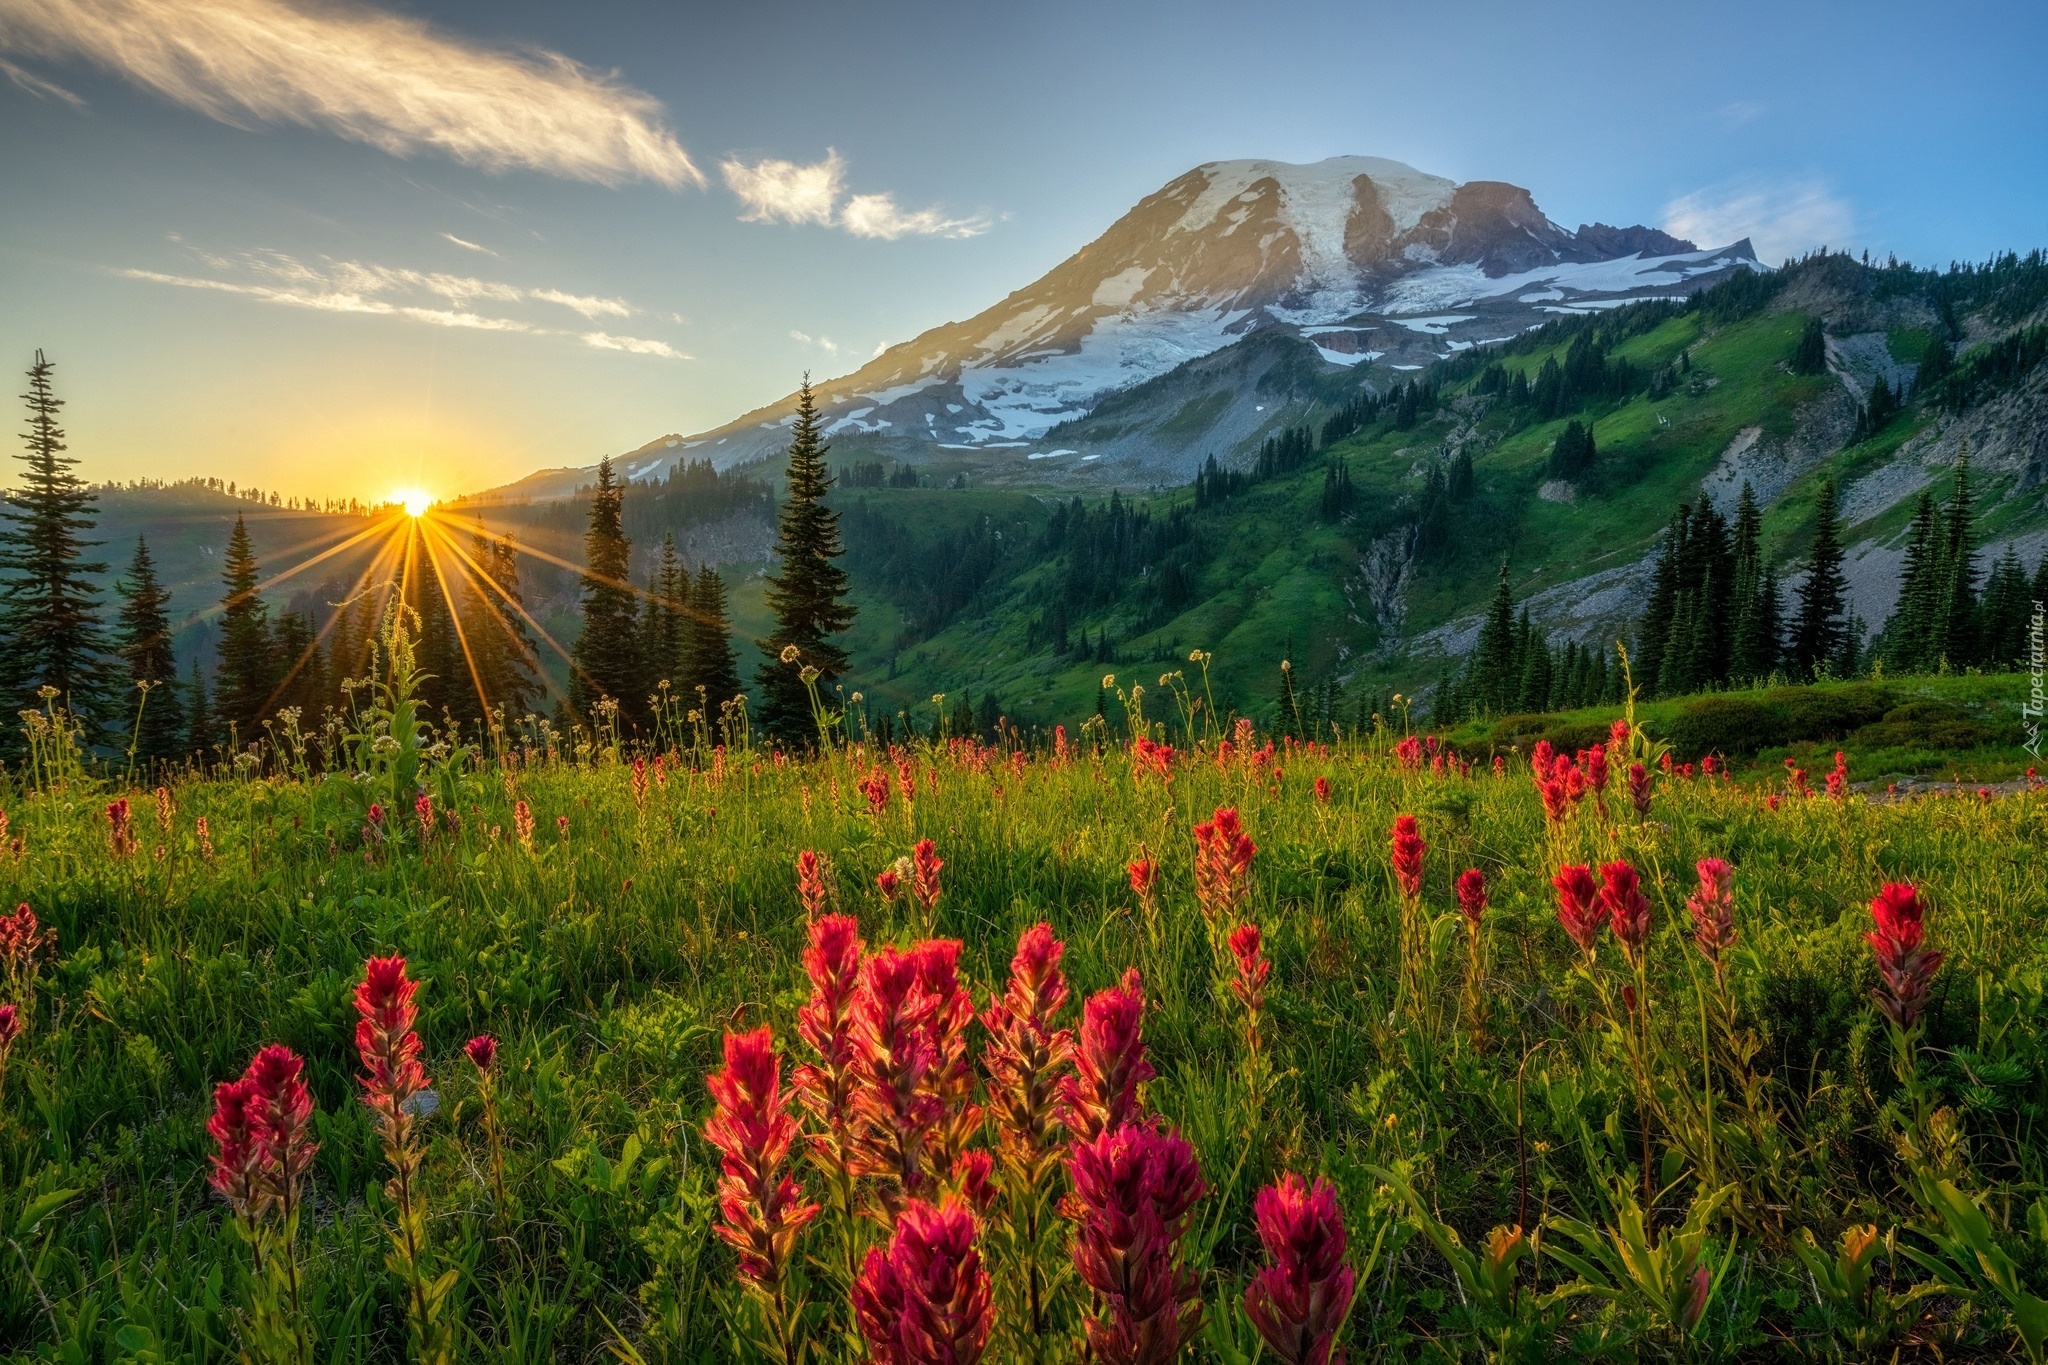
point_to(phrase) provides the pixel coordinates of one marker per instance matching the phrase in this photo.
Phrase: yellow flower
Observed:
(790, 654)
(1109, 680)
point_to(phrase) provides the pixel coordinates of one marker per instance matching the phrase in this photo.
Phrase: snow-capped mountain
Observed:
(1367, 259)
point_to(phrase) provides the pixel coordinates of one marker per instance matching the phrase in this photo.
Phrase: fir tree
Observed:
(202, 734)
(144, 643)
(1819, 632)
(1573, 452)
(668, 614)
(49, 608)
(1957, 622)
(713, 666)
(2007, 609)
(1810, 356)
(809, 596)
(1290, 710)
(245, 673)
(1751, 654)
(607, 659)
(1665, 585)
(1909, 638)
(1492, 676)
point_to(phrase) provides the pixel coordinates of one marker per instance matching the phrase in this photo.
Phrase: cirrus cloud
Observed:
(775, 191)
(1782, 219)
(384, 79)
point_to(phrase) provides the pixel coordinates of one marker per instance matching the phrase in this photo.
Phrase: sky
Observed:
(338, 249)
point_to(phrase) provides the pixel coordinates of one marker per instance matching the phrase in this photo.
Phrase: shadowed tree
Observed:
(246, 671)
(49, 608)
(713, 666)
(144, 643)
(809, 596)
(1820, 634)
(607, 653)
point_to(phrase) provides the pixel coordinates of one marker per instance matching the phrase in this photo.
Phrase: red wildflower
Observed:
(825, 1023)
(1223, 862)
(22, 940)
(1026, 1055)
(1408, 850)
(522, 822)
(1713, 909)
(1618, 735)
(1626, 908)
(1595, 765)
(1541, 760)
(925, 863)
(875, 787)
(280, 1116)
(10, 1027)
(1133, 1189)
(1110, 1062)
(1838, 778)
(1472, 895)
(761, 1210)
(1147, 756)
(1253, 968)
(1408, 753)
(1144, 877)
(810, 884)
(1323, 790)
(910, 1065)
(1556, 799)
(386, 1043)
(1500, 766)
(1771, 801)
(1639, 787)
(1300, 1298)
(118, 827)
(639, 780)
(238, 1157)
(1905, 965)
(925, 1300)
(1579, 907)
(482, 1052)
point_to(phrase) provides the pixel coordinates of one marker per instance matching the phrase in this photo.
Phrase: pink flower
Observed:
(1408, 753)
(925, 863)
(825, 1023)
(1639, 787)
(925, 1300)
(238, 1156)
(1626, 908)
(1713, 909)
(1246, 946)
(1110, 1062)
(1133, 1189)
(1027, 1055)
(386, 1043)
(1323, 790)
(1408, 850)
(1300, 1298)
(1905, 965)
(482, 1052)
(1472, 895)
(1223, 862)
(761, 1210)
(888, 883)
(1579, 907)
(810, 884)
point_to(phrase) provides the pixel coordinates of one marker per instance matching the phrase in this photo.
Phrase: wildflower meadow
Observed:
(1148, 1042)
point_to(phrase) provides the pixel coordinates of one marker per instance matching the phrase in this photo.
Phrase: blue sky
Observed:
(342, 249)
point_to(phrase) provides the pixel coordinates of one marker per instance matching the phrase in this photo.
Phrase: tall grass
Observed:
(1719, 1162)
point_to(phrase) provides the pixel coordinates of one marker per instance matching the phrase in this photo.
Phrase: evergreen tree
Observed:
(809, 596)
(1750, 654)
(246, 672)
(1573, 452)
(1492, 676)
(989, 719)
(1909, 638)
(144, 643)
(1811, 355)
(668, 612)
(607, 659)
(49, 608)
(202, 734)
(713, 666)
(298, 668)
(1654, 633)
(2007, 608)
(445, 683)
(1534, 695)
(1290, 710)
(1934, 366)
(1819, 632)
(1957, 624)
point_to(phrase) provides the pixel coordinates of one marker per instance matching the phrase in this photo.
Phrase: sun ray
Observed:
(461, 637)
(271, 582)
(363, 580)
(539, 669)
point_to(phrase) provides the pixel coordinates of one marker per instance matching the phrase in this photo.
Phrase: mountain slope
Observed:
(1365, 258)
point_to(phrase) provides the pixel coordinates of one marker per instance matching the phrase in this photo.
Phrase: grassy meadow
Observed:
(1636, 1152)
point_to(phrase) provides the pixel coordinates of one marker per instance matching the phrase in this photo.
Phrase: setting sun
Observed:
(414, 501)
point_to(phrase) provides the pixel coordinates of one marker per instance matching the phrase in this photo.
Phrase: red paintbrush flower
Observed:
(761, 1210)
(1596, 768)
(1639, 787)
(1408, 753)
(1579, 907)
(1027, 1056)
(1408, 850)
(924, 876)
(1300, 1298)
(1109, 1063)
(280, 1116)
(888, 883)
(1838, 779)
(238, 1157)
(1133, 1189)
(1556, 799)
(1249, 986)
(1223, 862)
(1472, 895)
(810, 884)
(1323, 791)
(1626, 908)
(386, 1043)
(825, 1023)
(925, 1299)
(1905, 965)
(1145, 882)
(875, 787)
(482, 1052)
(1713, 910)
(118, 827)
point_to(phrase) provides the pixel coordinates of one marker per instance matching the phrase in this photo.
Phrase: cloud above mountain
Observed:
(778, 191)
(384, 79)
(1782, 219)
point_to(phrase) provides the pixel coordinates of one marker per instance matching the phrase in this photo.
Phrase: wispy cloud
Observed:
(384, 79)
(36, 85)
(784, 191)
(825, 344)
(1781, 218)
(468, 245)
(387, 291)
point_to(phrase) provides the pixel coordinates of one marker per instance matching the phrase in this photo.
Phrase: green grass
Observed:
(610, 958)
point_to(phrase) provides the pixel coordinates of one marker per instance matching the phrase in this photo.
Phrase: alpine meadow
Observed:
(606, 761)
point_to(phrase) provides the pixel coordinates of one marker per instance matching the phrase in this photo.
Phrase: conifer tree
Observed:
(516, 686)
(1290, 709)
(1909, 637)
(2006, 612)
(200, 734)
(49, 607)
(1655, 632)
(144, 643)
(1752, 654)
(1493, 679)
(1957, 622)
(607, 659)
(668, 613)
(713, 665)
(1819, 632)
(1811, 355)
(245, 671)
(808, 596)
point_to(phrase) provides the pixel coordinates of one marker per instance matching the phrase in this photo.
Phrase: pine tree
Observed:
(1819, 631)
(2006, 612)
(1811, 355)
(669, 612)
(1655, 631)
(1290, 710)
(809, 596)
(202, 735)
(606, 660)
(1957, 621)
(245, 673)
(1493, 680)
(49, 608)
(144, 643)
(713, 666)
(1909, 637)
(1534, 694)
(496, 625)
(1750, 654)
